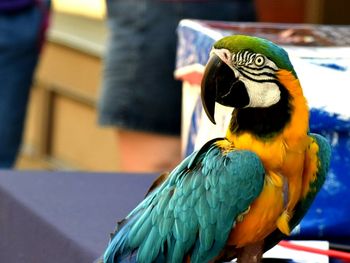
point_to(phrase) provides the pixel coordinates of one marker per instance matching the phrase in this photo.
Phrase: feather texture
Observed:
(193, 211)
(322, 159)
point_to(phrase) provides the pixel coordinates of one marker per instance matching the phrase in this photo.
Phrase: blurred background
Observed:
(61, 126)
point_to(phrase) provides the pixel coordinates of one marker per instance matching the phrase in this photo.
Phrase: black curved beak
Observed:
(208, 86)
(219, 84)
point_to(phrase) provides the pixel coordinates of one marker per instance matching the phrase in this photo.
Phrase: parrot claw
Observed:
(241, 216)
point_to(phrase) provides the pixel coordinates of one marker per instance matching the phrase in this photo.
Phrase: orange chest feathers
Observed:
(283, 157)
(284, 166)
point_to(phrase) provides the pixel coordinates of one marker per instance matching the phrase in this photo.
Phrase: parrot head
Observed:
(244, 72)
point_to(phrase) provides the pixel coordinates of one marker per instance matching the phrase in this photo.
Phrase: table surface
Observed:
(63, 216)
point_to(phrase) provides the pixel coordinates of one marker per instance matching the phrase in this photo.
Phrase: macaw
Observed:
(239, 195)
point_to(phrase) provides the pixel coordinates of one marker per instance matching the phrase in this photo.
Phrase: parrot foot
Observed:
(250, 253)
(283, 223)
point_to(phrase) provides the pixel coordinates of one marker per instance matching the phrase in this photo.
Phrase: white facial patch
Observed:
(257, 72)
(263, 94)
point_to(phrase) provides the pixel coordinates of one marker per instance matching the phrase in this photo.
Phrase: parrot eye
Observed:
(259, 60)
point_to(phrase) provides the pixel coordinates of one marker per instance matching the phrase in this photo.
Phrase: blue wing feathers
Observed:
(117, 244)
(197, 156)
(193, 211)
(150, 248)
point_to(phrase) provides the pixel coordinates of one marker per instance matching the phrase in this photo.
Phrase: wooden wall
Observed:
(62, 119)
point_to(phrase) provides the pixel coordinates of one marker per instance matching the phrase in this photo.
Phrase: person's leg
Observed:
(139, 92)
(143, 151)
(139, 96)
(148, 152)
(19, 50)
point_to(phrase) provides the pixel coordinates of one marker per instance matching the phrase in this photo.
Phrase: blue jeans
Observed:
(20, 37)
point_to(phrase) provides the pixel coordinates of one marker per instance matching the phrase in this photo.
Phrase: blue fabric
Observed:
(20, 34)
(139, 91)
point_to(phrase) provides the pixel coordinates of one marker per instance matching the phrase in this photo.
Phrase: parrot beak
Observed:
(219, 84)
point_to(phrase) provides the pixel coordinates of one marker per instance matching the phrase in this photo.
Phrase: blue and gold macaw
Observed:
(239, 195)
